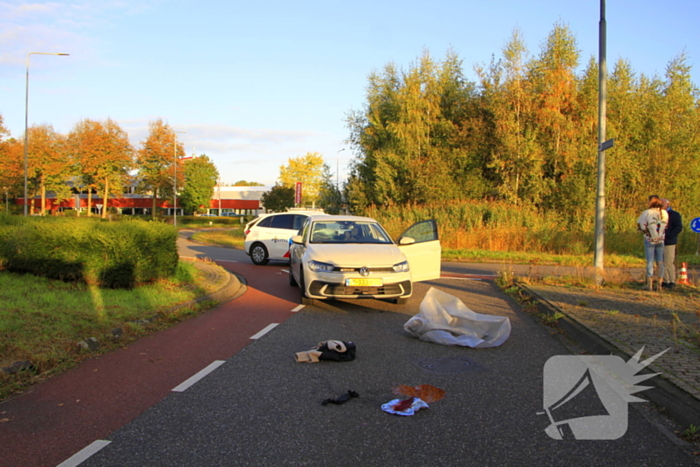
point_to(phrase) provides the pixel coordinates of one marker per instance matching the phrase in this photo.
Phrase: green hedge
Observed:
(107, 254)
(206, 221)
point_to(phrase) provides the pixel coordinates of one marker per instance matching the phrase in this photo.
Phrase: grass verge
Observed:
(42, 320)
(229, 238)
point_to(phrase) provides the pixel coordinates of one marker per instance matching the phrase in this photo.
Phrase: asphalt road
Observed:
(260, 407)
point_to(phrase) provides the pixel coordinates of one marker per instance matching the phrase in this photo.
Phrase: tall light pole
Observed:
(175, 178)
(337, 169)
(603, 145)
(26, 123)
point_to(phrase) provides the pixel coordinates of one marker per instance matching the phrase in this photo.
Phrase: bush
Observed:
(107, 254)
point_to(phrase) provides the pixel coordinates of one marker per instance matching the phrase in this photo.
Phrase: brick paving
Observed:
(630, 319)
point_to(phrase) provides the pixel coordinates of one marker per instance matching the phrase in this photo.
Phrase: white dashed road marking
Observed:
(298, 308)
(220, 260)
(84, 454)
(462, 278)
(267, 329)
(192, 380)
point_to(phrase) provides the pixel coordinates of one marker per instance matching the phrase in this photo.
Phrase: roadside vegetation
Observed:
(69, 281)
(43, 320)
(502, 233)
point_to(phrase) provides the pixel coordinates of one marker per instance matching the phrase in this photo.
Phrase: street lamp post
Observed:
(337, 169)
(602, 146)
(26, 123)
(175, 178)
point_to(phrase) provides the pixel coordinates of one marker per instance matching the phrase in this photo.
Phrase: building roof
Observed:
(240, 192)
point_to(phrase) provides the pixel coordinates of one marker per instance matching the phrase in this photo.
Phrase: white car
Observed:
(267, 237)
(353, 257)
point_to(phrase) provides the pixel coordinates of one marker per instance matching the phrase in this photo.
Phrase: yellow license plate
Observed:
(364, 282)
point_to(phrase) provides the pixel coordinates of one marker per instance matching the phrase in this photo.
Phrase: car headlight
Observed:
(401, 267)
(316, 266)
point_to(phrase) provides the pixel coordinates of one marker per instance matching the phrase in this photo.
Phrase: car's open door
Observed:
(424, 252)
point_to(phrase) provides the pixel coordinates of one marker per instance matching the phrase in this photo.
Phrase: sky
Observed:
(253, 84)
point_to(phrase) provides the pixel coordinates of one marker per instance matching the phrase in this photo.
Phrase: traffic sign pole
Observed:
(695, 227)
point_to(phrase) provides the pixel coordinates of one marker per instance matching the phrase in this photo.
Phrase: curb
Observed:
(679, 404)
(234, 285)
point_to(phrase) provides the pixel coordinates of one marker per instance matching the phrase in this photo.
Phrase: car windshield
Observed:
(348, 232)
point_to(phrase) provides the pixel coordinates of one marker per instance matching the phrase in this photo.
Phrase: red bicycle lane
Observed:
(53, 420)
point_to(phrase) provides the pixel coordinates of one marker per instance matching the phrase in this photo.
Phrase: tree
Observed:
(625, 117)
(244, 183)
(11, 169)
(48, 169)
(330, 198)
(103, 156)
(200, 179)
(278, 199)
(156, 162)
(11, 165)
(413, 140)
(515, 158)
(527, 135)
(680, 139)
(308, 170)
(370, 137)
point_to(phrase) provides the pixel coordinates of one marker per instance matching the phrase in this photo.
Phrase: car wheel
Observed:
(292, 281)
(258, 253)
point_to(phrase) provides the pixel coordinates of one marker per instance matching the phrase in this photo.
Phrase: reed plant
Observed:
(507, 228)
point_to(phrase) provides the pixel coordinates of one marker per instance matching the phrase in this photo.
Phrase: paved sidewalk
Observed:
(626, 321)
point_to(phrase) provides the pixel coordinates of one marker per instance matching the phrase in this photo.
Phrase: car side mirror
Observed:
(406, 241)
(297, 239)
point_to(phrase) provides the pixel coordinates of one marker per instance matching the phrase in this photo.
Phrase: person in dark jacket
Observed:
(673, 228)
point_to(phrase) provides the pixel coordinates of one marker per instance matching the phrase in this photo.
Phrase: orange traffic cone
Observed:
(683, 277)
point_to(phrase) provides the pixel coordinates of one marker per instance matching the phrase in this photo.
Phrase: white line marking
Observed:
(201, 374)
(197, 258)
(84, 454)
(267, 329)
(285, 270)
(464, 278)
(298, 308)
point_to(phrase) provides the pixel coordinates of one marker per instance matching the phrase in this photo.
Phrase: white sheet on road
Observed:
(446, 320)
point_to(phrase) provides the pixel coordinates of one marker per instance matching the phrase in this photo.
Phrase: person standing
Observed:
(652, 223)
(673, 229)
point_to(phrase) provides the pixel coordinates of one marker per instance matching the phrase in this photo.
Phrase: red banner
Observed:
(297, 194)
